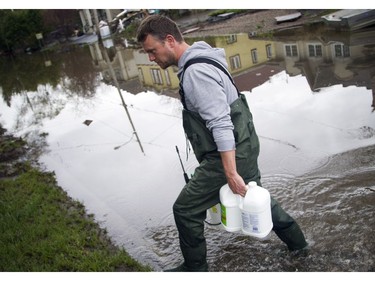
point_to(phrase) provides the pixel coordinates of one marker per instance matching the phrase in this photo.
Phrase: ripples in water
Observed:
(334, 206)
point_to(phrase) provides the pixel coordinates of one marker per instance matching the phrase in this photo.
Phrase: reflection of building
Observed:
(121, 58)
(114, 19)
(89, 18)
(123, 63)
(151, 75)
(241, 51)
(329, 57)
(352, 19)
(326, 57)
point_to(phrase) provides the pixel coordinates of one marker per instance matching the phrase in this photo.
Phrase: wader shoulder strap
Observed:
(201, 60)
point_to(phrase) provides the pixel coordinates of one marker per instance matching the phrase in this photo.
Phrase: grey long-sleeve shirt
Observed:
(209, 92)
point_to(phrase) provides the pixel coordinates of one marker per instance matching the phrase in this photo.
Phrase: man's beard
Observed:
(167, 63)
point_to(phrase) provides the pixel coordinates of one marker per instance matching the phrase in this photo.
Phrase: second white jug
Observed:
(256, 211)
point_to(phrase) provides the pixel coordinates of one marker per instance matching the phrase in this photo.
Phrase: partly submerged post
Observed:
(106, 57)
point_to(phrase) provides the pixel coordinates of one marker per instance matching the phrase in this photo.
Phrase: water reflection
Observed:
(310, 93)
(26, 73)
(329, 58)
(325, 57)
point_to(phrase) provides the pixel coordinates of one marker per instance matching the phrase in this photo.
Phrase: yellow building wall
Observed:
(147, 79)
(241, 47)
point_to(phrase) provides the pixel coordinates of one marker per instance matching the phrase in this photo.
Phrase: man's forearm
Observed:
(228, 158)
(235, 181)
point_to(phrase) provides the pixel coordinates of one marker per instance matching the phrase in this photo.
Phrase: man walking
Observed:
(219, 126)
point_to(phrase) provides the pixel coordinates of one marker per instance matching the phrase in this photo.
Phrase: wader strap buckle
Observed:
(201, 60)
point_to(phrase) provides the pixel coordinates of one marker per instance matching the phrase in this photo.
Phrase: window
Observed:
(167, 77)
(291, 50)
(118, 74)
(254, 55)
(140, 74)
(346, 51)
(231, 39)
(156, 76)
(342, 50)
(315, 50)
(269, 51)
(235, 62)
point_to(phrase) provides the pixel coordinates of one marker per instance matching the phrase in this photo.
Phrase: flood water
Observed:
(316, 123)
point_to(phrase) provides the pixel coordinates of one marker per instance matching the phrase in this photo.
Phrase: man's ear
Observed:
(169, 39)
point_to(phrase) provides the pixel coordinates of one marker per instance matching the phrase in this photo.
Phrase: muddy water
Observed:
(334, 206)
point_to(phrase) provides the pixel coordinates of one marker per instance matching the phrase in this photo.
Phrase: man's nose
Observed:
(151, 57)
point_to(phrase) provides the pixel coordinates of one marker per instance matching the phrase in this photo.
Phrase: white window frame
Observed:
(140, 74)
(156, 76)
(315, 50)
(231, 38)
(254, 55)
(167, 77)
(291, 50)
(235, 62)
(269, 51)
(341, 50)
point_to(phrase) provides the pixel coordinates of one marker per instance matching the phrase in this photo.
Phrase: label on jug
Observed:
(250, 222)
(214, 214)
(223, 215)
(215, 210)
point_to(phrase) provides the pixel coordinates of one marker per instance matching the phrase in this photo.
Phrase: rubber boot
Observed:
(195, 259)
(286, 228)
(184, 268)
(292, 237)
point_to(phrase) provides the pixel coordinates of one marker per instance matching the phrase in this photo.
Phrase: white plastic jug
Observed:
(256, 211)
(214, 215)
(230, 211)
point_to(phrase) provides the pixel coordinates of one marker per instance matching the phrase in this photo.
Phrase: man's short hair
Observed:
(159, 27)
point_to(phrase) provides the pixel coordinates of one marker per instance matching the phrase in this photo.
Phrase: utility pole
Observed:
(112, 72)
(106, 57)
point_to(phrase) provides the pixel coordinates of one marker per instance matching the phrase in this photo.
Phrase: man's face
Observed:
(159, 51)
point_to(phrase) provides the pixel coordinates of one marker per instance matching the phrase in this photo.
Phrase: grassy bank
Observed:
(42, 229)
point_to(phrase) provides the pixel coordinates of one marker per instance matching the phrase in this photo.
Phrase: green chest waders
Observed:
(202, 191)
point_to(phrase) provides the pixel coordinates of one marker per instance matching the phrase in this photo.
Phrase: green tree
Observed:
(18, 28)
(4, 40)
(64, 20)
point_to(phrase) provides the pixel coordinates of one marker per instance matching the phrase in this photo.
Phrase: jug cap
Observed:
(252, 184)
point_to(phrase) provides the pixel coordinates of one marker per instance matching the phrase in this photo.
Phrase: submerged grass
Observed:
(42, 229)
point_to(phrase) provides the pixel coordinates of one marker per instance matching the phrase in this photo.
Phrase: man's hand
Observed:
(235, 181)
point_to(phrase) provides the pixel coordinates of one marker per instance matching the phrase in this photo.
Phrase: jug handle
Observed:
(240, 198)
